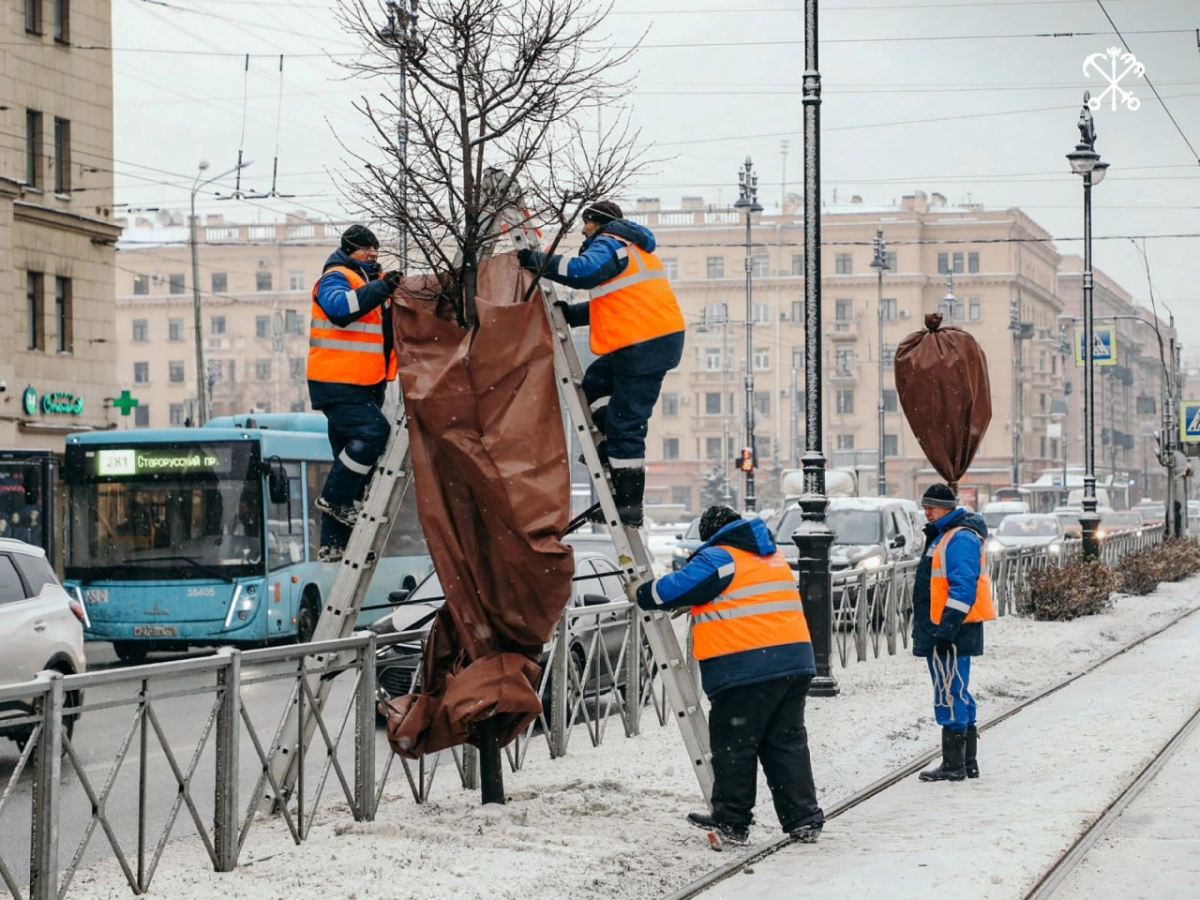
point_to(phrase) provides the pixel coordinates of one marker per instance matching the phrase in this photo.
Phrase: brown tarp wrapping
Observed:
(942, 382)
(489, 458)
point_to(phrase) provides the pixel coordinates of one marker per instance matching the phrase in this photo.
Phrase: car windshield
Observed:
(429, 590)
(1019, 526)
(693, 530)
(993, 519)
(856, 526)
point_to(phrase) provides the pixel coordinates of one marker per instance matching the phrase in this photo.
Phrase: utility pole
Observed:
(726, 403)
(748, 200)
(879, 264)
(401, 30)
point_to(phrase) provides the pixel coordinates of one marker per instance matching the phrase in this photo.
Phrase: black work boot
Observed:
(731, 834)
(628, 487)
(953, 767)
(972, 764)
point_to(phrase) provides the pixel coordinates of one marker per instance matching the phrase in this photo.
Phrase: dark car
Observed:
(686, 544)
(598, 581)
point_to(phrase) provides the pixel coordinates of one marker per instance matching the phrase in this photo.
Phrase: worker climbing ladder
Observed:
(387, 490)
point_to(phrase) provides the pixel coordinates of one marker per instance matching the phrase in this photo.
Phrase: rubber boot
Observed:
(972, 764)
(954, 750)
(628, 487)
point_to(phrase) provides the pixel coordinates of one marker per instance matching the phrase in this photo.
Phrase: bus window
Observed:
(285, 523)
(317, 473)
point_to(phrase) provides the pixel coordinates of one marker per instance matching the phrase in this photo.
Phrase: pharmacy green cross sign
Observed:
(125, 403)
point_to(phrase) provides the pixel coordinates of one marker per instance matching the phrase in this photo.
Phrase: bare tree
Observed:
(508, 87)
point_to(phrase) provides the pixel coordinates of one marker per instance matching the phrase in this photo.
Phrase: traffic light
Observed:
(746, 463)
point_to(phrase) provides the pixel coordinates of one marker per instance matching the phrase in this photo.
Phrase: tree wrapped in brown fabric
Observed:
(943, 386)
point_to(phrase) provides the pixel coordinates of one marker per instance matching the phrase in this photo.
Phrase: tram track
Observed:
(745, 863)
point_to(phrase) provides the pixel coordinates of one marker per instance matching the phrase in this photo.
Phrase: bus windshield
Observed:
(159, 511)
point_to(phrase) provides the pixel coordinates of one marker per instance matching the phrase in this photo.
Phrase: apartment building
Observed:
(56, 238)
(992, 272)
(255, 299)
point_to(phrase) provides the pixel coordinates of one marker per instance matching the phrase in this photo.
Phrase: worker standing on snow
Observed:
(952, 598)
(637, 332)
(756, 663)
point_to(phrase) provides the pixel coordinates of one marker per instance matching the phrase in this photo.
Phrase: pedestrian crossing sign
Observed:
(1189, 421)
(1104, 346)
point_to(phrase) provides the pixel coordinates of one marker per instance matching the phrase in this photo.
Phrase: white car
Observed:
(1027, 530)
(41, 627)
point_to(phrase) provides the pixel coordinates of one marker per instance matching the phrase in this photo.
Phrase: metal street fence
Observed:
(116, 765)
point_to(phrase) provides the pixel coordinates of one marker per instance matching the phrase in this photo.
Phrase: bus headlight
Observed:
(241, 604)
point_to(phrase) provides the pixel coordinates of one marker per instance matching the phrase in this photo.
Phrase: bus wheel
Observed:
(306, 618)
(132, 653)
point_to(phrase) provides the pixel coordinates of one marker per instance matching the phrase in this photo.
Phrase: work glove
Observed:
(565, 308)
(392, 280)
(943, 646)
(529, 259)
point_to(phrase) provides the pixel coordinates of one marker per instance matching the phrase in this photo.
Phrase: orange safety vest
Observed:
(350, 354)
(982, 610)
(760, 608)
(637, 305)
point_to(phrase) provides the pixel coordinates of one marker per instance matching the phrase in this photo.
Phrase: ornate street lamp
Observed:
(880, 265)
(748, 200)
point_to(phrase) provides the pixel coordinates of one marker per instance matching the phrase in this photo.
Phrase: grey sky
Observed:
(956, 96)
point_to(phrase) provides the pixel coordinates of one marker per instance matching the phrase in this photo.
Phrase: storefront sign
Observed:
(56, 402)
(29, 401)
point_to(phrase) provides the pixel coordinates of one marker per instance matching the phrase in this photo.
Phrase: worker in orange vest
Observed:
(350, 361)
(756, 663)
(637, 334)
(952, 598)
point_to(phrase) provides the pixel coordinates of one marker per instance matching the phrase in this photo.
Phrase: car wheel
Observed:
(132, 653)
(306, 618)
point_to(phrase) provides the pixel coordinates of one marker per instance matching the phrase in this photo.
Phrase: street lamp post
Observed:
(879, 264)
(748, 200)
(1085, 162)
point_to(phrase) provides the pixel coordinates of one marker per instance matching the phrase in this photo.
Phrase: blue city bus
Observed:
(182, 537)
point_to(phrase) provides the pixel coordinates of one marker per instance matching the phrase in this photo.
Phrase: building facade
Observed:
(56, 237)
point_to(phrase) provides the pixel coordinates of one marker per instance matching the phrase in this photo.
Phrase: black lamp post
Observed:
(748, 200)
(1085, 161)
(880, 265)
(814, 536)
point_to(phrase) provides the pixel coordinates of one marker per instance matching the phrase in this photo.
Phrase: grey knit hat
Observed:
(939, 495)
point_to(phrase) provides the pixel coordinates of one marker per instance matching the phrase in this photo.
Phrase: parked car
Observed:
(1027, 530)
(686, 544)
(1153, 512)
(41, 627)
(869, 531)
(1120, 522)
(997, 511)
(598, 581)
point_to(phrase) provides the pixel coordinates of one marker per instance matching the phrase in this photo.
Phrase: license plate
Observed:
(154, 631)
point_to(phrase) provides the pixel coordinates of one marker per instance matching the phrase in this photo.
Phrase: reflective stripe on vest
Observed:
(347, 354)
(637, 305)
(982, 610)
(760, 608)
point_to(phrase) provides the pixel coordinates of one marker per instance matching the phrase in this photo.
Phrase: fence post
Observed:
(559, 684)
(634, 670)
(229, 727)
(43, 849)
(364, 734)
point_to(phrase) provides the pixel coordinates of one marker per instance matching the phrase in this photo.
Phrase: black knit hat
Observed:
(714, 519)
(602, 212)
(940, 496)
(358, 237)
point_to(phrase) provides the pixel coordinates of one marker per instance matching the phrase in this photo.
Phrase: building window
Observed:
(893, 264)
(670, 448)
(175, 329)
(292, 323)
(141, 373)
(176, 284)
(262, 281)
(220, 282)
(762, 359)
(298, 406)
(64, 316)
(670, 405)
(958, 263)
(141, 285)
(973, 263)
(262, 326)
(762, 403)
(671, 268)
(715, 313)
(712, 360)
(141, 416)
(62, 156)
(797, 310)
(844, 310)
(798, 264)
(141, 330)
(762, 446)
(798, 359)
(62, 21)
(176, 414)
(845, 403)
(297, 367)
(943, 263)
(951, 310)
(175, 371)
(712, 403)
(889, 401)
(760, 266)
(681, 495)
(35, 335)
(33, 16)
(975, 309)
(889, 354)
(845, 361)
(33, 147)
(891, 445)
(217, 325)
(843, 264)
(232, 371)
(262, 369)
(716, 267)
(712, 448)
(762, 313)
(845, 442)
(295, 281)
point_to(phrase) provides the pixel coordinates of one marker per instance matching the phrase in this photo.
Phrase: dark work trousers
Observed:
(358, 432)
(763, 721)
(622, 387)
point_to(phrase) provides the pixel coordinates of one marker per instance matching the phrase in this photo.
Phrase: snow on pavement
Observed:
(609, 821)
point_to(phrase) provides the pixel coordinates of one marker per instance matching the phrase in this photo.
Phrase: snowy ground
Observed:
(609, 821)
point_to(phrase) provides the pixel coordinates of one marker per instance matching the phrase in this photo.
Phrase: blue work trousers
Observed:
(953, 705)
(358, 433)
